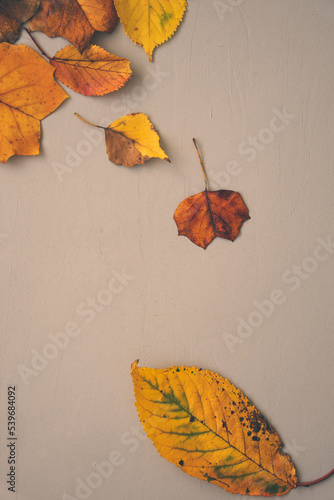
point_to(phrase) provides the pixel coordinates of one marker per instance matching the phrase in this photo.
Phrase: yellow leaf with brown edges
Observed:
(75, 20)
(12, 14)
(28, 93)
(94, 72)
(202, 423)
(150, 23)
(131, 140)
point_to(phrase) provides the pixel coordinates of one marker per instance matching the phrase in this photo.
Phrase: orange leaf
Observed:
(94, 72)
(131, 140)
(75, 20)
(208, 214)
(202, 423)
(12, 15)
(28, 93)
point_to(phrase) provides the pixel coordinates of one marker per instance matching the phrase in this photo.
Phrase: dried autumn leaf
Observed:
(94, 72)
(202, 423)
(150, 23)
(75, 20)
(12, 14)
(208, 214)
(131, 140)
(28, 93)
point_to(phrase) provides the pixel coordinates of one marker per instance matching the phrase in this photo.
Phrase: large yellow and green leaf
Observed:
(203, 424)
(150, 23)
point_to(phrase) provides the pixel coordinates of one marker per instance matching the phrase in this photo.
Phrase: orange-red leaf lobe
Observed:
(208, 214)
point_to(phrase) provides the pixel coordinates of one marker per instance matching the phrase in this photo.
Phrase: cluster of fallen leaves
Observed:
(148, 24)
(196, 419)
(87, 69)
(29, 92)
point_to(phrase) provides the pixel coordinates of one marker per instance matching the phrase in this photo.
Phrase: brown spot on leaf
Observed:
(121, 150)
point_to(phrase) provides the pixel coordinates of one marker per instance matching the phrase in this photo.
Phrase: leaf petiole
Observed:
(88, 123)
(309, 483)
(37, 45)
(200, 160)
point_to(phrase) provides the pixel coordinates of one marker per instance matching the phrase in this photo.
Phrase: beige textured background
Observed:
(222, 79)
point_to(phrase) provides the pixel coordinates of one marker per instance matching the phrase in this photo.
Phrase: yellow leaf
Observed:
(28, 93)
(200, 422)
(150, 23)
(131, 140)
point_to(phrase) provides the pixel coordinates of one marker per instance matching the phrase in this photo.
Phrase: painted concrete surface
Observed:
(94, 276)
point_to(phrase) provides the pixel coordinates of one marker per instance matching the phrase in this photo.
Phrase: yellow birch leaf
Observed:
(28, 93)
(150, 23)
(131, 140)
(202, 423)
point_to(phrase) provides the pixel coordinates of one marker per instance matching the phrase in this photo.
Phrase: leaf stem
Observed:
(88, 123)
(39, 48)
(309, 483)
(200, 160)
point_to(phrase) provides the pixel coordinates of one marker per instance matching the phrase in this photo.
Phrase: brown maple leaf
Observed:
(12, 15)
(208, 214)
(75, 20)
